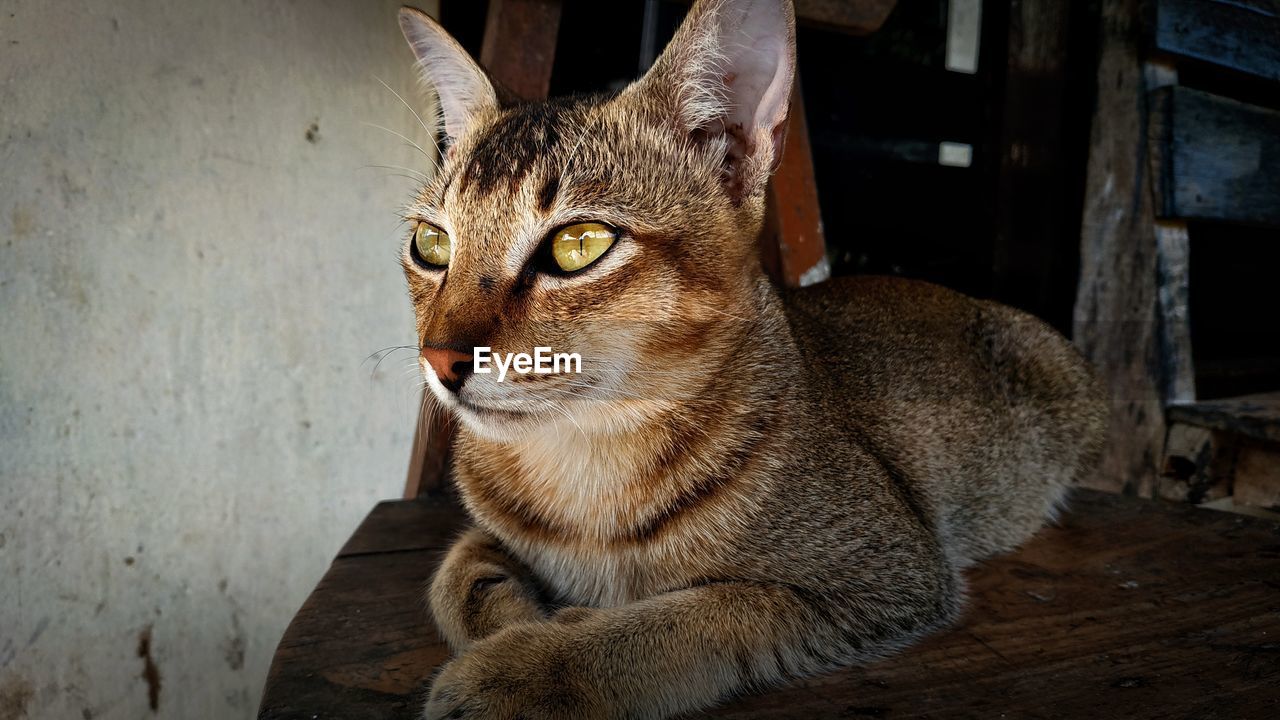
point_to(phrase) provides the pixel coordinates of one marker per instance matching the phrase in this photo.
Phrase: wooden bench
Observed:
(1127, 609)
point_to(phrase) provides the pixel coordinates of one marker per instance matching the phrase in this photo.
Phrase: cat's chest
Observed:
(594, 530)
(607, 576)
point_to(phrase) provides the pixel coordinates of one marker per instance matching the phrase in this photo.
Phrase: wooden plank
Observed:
(1116, 323)
(358, 647)
(1125, 606)
(1034, 237)
(429, 460)
(1257, 480)
(1198, 465)
(361, 647)
(520, 44)
(857, 17)
(1173, 252)
(1217, 159)
(1242, 35)
(423, 523)
(797, 218)
(1255, 416)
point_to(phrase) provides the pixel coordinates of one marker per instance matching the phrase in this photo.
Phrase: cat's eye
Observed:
(431, 246)
(576, 246)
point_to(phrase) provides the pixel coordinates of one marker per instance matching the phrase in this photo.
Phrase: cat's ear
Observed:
(462, 86)
(726, 77)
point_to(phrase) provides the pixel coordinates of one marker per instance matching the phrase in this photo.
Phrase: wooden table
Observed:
(1127, 609)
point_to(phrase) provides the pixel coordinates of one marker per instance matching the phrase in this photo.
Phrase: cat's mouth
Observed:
(492, 412)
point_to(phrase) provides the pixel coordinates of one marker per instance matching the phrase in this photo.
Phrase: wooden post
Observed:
(1197, 465)
(520, 44)
(1173, 260)
(432, 445)
(1116, 314)
(1035, 231)
(518, 51)
(1257, 478)
(795, 223)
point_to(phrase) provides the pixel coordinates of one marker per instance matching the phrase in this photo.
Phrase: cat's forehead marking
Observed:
(511, 148)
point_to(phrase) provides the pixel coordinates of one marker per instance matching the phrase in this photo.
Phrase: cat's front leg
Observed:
(480, 589)
(681, 651)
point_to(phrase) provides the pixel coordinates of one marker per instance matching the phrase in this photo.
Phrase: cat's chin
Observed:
(495, 424)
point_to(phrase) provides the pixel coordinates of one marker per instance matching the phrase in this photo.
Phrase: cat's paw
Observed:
(526, 672)
(479, 590)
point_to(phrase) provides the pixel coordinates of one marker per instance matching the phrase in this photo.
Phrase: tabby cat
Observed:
(742, 485)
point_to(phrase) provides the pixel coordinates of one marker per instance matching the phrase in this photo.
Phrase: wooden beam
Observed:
(1197, 465)
(1034, 238)
(520, 44)
(429, 459)
(796, 222)
(1257, 480)
(1116, 321)
(1216, 159)
(1243, 35)
(1173, 281)
(1255, 416)
(857, 17)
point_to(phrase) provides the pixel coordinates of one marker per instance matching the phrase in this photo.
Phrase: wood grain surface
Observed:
(1243, 35)
(1214, 158)
(1126, 609)
(1256, 416)
(520, 44)
(1116, 323)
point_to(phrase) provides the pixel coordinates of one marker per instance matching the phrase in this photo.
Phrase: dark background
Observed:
(1008, 226)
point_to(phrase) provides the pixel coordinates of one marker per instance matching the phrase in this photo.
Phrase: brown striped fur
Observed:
(744, 486)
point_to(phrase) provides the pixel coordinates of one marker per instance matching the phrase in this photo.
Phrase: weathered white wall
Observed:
(194, 263)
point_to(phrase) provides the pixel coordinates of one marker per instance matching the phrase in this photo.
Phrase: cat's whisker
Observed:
(425, 154)
(602, 388)
(629, 369)
(580, 396)
(430, 132)
(385, 353)
(566, 415)
(417, 175)
(573, 154)
(389, 348)
(621, 368)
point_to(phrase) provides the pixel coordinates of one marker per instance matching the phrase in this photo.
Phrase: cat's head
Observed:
(620, 228)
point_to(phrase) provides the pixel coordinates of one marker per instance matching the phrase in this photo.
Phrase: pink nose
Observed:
(450, 366)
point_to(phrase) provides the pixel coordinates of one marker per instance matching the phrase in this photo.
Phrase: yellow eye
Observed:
(432, 245)
(577, 246)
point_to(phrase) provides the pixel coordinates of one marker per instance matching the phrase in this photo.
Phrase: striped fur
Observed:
(744, 486)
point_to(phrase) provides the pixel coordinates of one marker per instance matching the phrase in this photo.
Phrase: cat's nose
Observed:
(451, 367)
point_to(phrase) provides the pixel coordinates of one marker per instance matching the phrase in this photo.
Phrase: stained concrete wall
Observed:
(194, 264)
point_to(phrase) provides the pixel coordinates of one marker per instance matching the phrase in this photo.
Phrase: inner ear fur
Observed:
(725, 80)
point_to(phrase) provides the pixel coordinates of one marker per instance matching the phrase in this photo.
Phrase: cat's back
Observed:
(871, 339)
(884, 334)
(986, 410)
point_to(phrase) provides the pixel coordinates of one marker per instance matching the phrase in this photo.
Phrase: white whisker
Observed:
(425, 154)
(430, 133)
